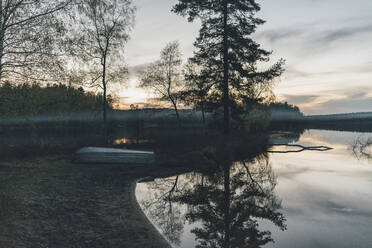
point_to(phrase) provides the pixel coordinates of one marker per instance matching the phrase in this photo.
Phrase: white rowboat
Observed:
(101, 155)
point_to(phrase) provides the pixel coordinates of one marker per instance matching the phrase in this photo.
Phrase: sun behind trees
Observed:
(87, 48)
(164, 77)
(225, 51)
(101, 29)
(66, 41)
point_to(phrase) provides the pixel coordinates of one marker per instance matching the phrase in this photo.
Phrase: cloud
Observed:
(359, 102)
(123, 98)
(329, 36)
(137, 69)
(342, 101)
(312, 35)
(365, 67)
(276, 35)
(292, 73)
(299, 99)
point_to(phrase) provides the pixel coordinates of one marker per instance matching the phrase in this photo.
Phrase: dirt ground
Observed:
(51, 202)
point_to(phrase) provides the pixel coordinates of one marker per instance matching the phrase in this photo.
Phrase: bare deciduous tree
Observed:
(29, 32)
(164, 76)
(98, 36)
(197, 87)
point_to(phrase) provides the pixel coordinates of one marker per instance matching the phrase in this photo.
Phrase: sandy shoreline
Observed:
(153, 237)
(50, 202)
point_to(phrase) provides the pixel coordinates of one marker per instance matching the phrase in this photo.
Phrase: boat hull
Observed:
(100, 155)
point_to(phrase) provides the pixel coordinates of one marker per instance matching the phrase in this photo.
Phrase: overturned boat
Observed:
(101, 155)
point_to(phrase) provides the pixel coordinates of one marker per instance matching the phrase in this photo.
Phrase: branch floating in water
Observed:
(302, 148)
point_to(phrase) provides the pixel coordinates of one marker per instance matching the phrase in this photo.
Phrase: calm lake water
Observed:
(307, 199)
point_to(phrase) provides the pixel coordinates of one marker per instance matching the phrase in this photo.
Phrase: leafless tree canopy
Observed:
(30, 31)
(97, 35)
(164, 76)
(362, 148)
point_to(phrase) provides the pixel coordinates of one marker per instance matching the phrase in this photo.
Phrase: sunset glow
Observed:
(133, 94)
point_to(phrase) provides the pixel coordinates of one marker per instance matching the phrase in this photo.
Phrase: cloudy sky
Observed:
(327, 45)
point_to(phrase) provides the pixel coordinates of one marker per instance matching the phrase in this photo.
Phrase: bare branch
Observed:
(302, 148)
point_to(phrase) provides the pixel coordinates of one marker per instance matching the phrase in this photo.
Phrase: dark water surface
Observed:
(306, 199)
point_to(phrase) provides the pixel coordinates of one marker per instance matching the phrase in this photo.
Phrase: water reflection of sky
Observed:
(326, 196)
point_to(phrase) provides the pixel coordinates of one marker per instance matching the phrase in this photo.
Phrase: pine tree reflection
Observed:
(227, 204)
(230, 202)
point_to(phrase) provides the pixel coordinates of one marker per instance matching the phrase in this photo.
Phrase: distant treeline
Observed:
(345, 116)
(59, 105)
(62, 105)
(284, 111)
(35, 99)
(354, 122)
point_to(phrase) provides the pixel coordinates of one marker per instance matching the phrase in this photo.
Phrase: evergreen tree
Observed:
(226, 50)
(228, 204)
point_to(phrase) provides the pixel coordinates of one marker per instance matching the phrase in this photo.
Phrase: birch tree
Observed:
(98, 35)
(29, 34)
(164, 77)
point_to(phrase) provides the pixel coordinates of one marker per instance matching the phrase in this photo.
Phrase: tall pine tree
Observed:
(226, 50)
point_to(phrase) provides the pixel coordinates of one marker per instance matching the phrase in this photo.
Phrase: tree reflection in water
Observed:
(362, 148)
(227, 204)
(160, 207)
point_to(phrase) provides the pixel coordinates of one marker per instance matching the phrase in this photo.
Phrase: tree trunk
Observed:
(227, 220)
(226, 70)
(177, 114)
(172, 100)
(104, 103)
(203, 114)
(1, 39)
